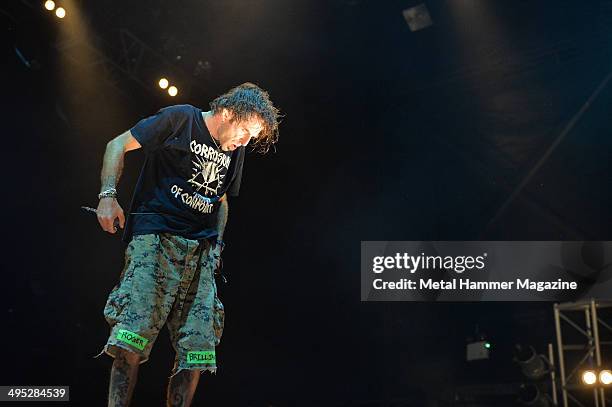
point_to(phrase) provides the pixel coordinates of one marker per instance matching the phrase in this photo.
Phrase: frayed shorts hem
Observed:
(108, 349)
(211, 369)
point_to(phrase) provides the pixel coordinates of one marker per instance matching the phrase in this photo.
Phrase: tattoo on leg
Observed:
(182, 387)
(175, 391)
(122, 381)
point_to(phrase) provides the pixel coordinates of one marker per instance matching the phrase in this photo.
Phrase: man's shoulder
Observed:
(185, 109)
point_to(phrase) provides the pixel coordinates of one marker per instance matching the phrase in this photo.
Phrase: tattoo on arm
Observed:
(109, 182)
(222, 217)
(112, 166)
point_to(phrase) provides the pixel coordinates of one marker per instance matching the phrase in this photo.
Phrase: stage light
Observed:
(172, 91)
(533, 366)
(417, 17)
(163, 83)
(531, 395)
(477, 350)
(49, 5)
(589, 377)
(605, 377)
(60, 12)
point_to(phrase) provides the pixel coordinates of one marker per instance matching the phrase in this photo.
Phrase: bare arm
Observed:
(221, 221)
(112, 167)
(222, 217)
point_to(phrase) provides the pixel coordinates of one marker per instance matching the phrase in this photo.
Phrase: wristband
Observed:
(108, 193)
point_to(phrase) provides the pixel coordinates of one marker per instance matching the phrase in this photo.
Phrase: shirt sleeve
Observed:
(234, 188)
(151, 132)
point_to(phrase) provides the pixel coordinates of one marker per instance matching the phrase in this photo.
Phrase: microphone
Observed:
(95, 212)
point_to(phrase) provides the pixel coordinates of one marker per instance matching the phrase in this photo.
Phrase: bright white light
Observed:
(163, 83)
(60, 12)
(605, 377)
(172, 91)
(589, 377)
(49, 5)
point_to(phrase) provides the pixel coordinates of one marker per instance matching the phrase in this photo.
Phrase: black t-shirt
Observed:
(183, 176)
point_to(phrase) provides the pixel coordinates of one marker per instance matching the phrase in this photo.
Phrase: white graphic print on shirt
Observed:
(206, 177)
(209, 169)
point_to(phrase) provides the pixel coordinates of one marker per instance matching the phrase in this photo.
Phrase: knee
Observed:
(126, 356)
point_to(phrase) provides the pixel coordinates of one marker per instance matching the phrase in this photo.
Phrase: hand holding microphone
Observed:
(109, 213)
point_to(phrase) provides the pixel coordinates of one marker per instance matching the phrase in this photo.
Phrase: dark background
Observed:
(439, 134)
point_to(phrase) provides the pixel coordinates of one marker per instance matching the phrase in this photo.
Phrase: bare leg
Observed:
(123, 378)
(182, 387)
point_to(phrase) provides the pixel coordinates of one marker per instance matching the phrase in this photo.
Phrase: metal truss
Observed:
(589, 350)
(125, 57)
(132, 59)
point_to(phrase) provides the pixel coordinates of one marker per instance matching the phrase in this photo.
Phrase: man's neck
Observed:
(211, 122)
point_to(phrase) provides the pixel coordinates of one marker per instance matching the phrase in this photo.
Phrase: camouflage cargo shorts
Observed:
(167, 279)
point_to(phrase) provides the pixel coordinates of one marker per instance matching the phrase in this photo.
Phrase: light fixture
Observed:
(605, 377)
(531, 394)
(60, 12)
(417, 17)
(478, 350)
(49, 5)
(172, 91)
(163, 83)
(533, 366)
(589, 377)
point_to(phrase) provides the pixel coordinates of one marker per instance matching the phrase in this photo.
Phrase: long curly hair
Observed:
(245, 101)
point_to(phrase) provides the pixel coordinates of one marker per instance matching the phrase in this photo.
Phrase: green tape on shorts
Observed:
(133, 339)
(206, 356)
